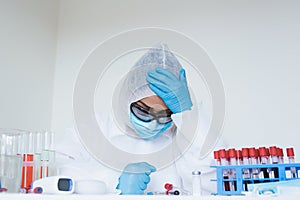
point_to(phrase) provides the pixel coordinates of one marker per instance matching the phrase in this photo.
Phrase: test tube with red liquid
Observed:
(291, 157)
(254, 161)
(217, 158)
(246, 171)
(264, 160)
(274, 160)
(28, 162)
(280, 155)
(226, 172)
(233, 161)
(239, 157)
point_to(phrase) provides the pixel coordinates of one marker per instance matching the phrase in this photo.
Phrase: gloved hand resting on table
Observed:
(173, 91)
(135, 177)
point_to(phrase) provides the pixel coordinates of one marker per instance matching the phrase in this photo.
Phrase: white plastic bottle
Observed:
(196, 175)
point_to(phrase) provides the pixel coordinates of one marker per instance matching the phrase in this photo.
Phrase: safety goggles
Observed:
(146, 114)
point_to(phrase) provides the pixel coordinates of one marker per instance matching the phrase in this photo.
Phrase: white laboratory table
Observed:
(134, 197)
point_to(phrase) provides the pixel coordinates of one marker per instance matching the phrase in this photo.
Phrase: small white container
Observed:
(196, 178)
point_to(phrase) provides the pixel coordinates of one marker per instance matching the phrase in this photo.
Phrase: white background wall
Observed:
(254, 44)
(27, 62)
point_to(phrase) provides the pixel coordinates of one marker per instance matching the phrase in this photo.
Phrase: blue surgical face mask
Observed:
(148, 130)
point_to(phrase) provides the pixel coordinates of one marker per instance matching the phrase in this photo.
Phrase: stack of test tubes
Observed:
(238, 168)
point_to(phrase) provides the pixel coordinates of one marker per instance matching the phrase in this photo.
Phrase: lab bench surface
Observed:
(132, 197)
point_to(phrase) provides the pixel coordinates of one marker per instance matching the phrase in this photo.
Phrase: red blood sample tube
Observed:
(232, 156)
(28, 162)
(246, 171)
(280, 155)
(224, 162)
(227, 157)
(264, 160)
(268, 154)
(253, 156)
(274, 158)
(217, 158)
(273, 154)
(233, 162)
(245, 154)
(253, 159)
(239, 157)
(291, 158)
(263, 155)
(257, 156)
(290, 154)
(223, 157)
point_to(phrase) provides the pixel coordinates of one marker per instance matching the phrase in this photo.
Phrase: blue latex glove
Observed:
(173, 91)
(135, 177)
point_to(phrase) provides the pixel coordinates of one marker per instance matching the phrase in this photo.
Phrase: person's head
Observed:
(150, 117)
(135, 90)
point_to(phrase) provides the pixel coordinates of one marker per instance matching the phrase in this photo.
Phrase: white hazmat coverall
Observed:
(175, 153)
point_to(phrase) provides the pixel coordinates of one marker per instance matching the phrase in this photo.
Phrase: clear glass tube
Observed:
(28, 162)
(49, 154)
(39, 138)
(10, 160)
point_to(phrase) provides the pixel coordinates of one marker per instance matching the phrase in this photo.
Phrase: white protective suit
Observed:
(183, 156)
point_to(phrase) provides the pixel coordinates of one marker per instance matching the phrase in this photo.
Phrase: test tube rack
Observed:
(239, 181)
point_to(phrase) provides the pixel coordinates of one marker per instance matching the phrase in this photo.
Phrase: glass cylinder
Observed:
(10, 160)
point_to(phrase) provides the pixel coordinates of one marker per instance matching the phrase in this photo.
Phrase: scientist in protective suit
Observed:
(156, 118)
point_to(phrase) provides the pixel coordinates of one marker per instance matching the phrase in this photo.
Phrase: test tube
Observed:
(280, 155)
(233, 162)
(268, 154)
(246, 171)
(264, 160)
(226, 172)
(274, 158)
(239, 157)
(44, 164)
(39, 147)
(217, 158)
(245, 154)
(28, 162)
(291, 158)
(253, 160)
(253, 156)
(48, 155)
(257, 156)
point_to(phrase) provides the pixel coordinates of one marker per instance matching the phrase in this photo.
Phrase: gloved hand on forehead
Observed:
(135, 177)
(173, 91)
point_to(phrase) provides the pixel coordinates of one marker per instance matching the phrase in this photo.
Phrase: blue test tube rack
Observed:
(239, 181)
